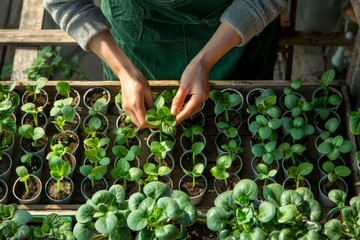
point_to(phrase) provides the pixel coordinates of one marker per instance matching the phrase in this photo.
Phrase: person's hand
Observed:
(136, 96)
(195, 82)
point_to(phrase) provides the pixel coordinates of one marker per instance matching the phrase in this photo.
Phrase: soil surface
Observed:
(35, 165)
(198, 119)
(198, 189)
(187, 144)
(131, 187)
(89, 191)
(290, 184)
(4, 164)
(326, 186)
(67, 140)
(28, 144)
(231, 182)
(253, 95)
(2, 190)
(41, 98)
(28, 119)
(121, 123)
(94, 95)
(199, 231)
(165, 162)
(187, 161)
(235, 119)
(71, 126)
(65, 189)
(34, 188)
(104, 124)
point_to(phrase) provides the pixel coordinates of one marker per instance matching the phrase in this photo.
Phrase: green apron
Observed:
(162, 36)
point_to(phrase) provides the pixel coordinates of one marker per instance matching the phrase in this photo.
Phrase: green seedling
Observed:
(298, 172)
(224, 101)
(193, 131)
(197, 171)
(30, 108)
(24, 175)
(59, 169)
(27, 131)
(219, 171)
(124, 172)
(36, 88)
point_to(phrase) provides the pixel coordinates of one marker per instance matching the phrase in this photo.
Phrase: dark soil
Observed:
(336, 162)
(231, 182)
(222, 139)
(121, 123)
(131, 187)
(156, 137)
(198, 189)
(65, 189)
(199, 231)
(41, 98)
(35, 165)
(320, 123)
(198, 119)
(89, 191)
(235, 166)
(187, 144)
(253, 95)
(71, 126)
(167, 180)
(187, 161)
(165, 162)
(28, 144)
(235, 119)
(28, 119)
(67, 140)
(94, 95)
(73, 94)
(104, 123)
(326, 186)
(290, 184)
(2, 190)
(298, 159)
(34, 188)
(4, 164)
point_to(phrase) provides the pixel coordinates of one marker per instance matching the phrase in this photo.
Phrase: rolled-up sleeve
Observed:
(250, 17)
(81, 19)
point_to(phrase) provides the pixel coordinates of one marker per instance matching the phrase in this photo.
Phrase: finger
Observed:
(133, 118)
(149, 101)
(140, 112)
(191, 107)
(178, 101)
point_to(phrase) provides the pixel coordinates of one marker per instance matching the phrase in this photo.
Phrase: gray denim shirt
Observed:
(83, 20)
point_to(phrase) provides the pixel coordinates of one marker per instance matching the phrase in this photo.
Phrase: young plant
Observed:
(268, 152)
(354, 125)
(193, 131)
(335, 172)
(122, 152)
(298, 172)
(161, 117)
(151, 212)
(36, 88)
(196, 172)
(265, 128)
(59, 169)
(347, 225)
(219, 171)
(294, 87)
(49, 61)
(297, 105)
(27, 131)
(26, 159)
(334, 146)
(224, 101)
(264, 173)
(24, 175)
(196, 149)
(118, 99)
(63, 88)
(298, 128)
(124, 172)
(160, 149)
(14, 222)
(106, 212)
(53, 227)
(64, 112)
(327, 100)
(331, 125)
(292, 151)
(153, 173)
(94, 142)
(98, 106)
(232, 149)
(230, 132)
(266, 104)
(123, 135)
(30, 108)
(57, 150)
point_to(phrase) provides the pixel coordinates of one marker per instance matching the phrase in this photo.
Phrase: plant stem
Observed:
(93, 183)
(26, 187)
(125, 181)
(226, 115)
(193, 181)
(35, 115)
(58, 185)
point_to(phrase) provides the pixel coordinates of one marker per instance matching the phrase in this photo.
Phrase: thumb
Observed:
(178, 101)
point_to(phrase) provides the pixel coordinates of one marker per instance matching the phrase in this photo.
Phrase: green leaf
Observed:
(267, 211)
(168, 231)
(137, 220)
(216, 219)
(286, 213)
(85, 213)
(105, 225)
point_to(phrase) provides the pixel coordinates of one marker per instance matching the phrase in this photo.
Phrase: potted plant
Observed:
(33, 163)
(333, 180)
(34, 116)
(118, 102)
(14, 222)
(354, 126)
(127, 176)
(33, 140)
(265, 176)
(346, 223)
(53, 226)
(131, 154)
(94, 172)
(225, 136)
(126, 136)
(252, 95)
(93, 94)
(192, 157)
(223, 180)
(95, 139)
(266, 105)
(320, 122)
(265, 128)
(58, 150)
(4, 192)
(64, 90)
(36, 94)
(65, 115)
(296, 176)
(59, 188)
(124, 120)
(30, 191)
(292, 155)
(266, 153)
(159, 212)
(326, 98)
(156, 173)
(191, 135)
(194, 183)
(334, 146)
(330, 128)
(6, 163)
(106, 212)
(8, 126)
(296, 129)
(292, 100)
(196, 119)
(95, 112)
(160, 154)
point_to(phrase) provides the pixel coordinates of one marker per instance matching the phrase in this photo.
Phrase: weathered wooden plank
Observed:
(353, 74)
(32, 16)
(314, 39)
(35, 37)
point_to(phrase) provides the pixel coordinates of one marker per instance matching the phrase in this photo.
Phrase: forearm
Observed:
(224, 39)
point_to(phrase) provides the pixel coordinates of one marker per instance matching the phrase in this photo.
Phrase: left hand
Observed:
(195, 82)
